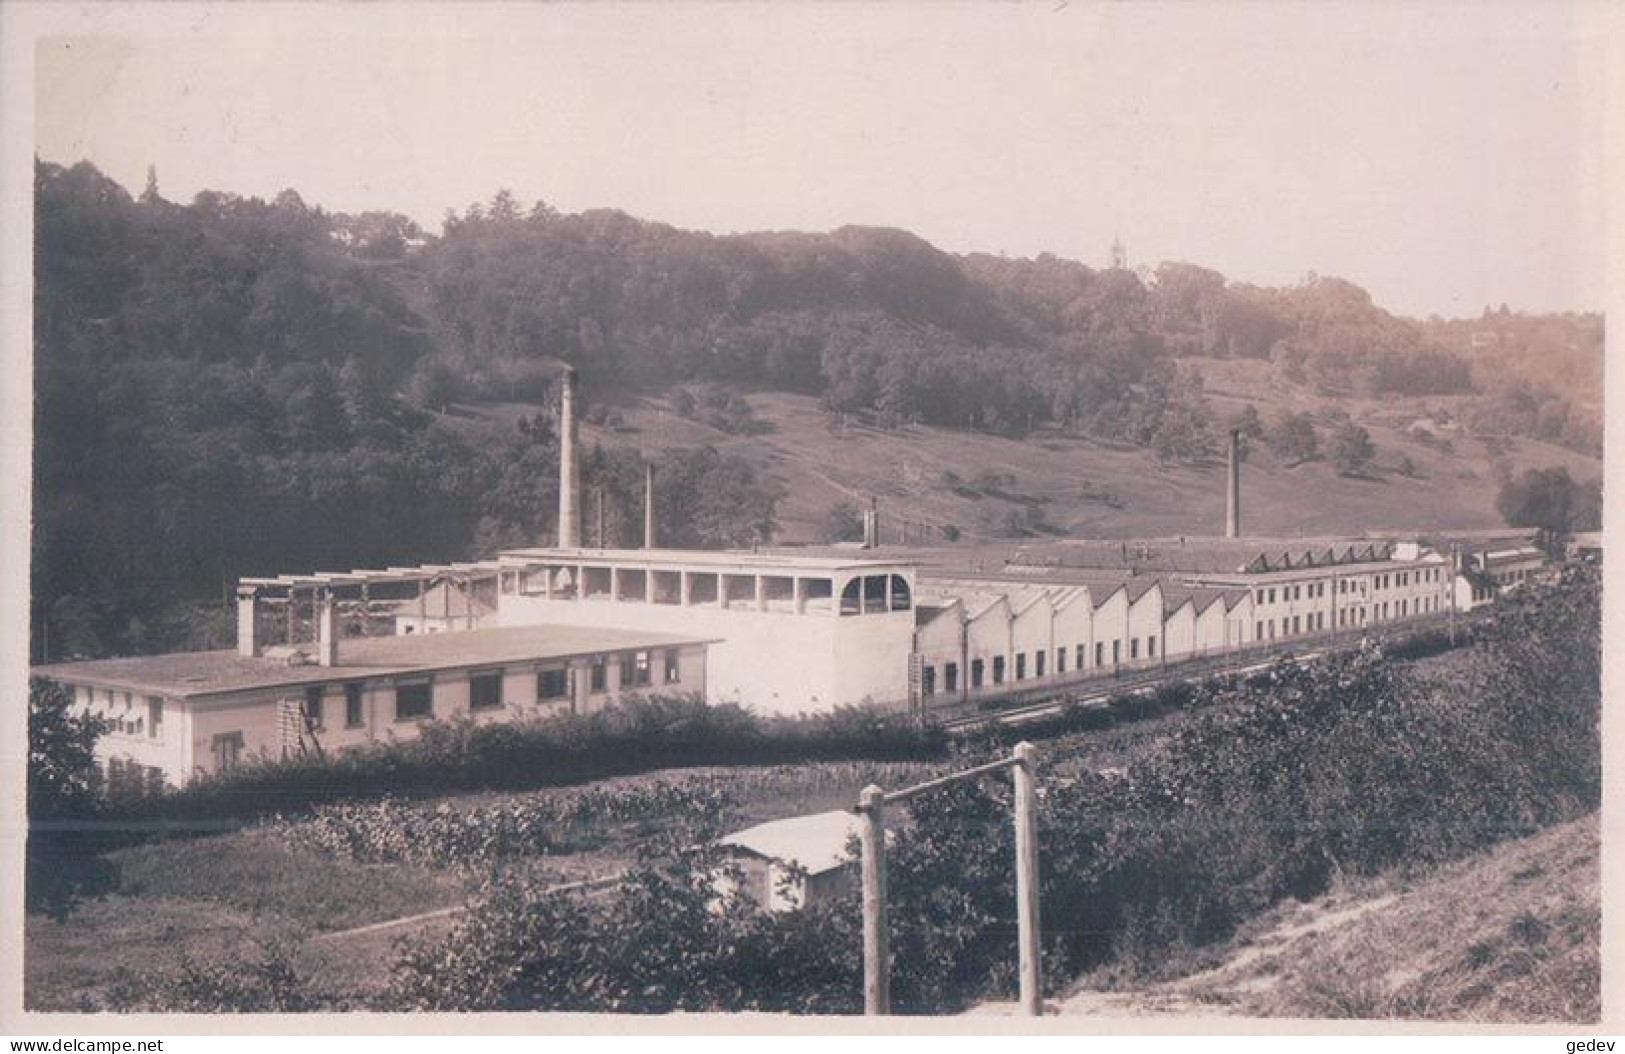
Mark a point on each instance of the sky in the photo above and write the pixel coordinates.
(1445, 158)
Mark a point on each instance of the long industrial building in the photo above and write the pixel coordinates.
(541, 631)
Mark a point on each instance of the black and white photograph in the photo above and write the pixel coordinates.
(1068, 515)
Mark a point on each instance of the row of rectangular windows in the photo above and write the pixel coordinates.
(1399, 580)
(950, 679)
(415, 699)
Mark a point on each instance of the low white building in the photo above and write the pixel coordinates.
(174, 717)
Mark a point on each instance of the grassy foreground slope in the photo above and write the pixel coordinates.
(1511, 935)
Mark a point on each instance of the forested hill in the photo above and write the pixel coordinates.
(235, 386)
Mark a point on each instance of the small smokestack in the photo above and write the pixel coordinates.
(247, 610)
(871, 525)
(1232, 511)
(569, 536)
(648, 505)
(327, 637)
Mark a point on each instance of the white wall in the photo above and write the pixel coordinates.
(774, 662)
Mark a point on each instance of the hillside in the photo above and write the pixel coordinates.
(1056, 483)
(234, 387)
(1510, 936)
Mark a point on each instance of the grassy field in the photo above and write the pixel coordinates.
(1086, 488)
(1509, 936)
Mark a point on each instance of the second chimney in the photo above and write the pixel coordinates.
(648, 505)
(569, 536)
(1232, 508)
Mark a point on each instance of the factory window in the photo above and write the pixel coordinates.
(976, 673)
(1258, 598)
(1402, 609)
(950, 677)
(1081, 657)
(702, 589)
(928, 681)
(816, 594)
(1258, 631)
(1100, 653)
(595, 581)
(779, 592)
(227, 748)
(552, 684)
(1271, 627)
(352, 706)
(874, 594)
(851, 602)
(1021, 666)
(485, 690)
(598, 674)
(739, 591)
(313, 708)
(1151, 646)
(1060, 660)
(674, 667)
(413, 700)
(631, 584)
(1117, 652)
(998, 669)
(155, 717)
(1134, 647)
(1272, 594)
(901, 598)
(635, 669)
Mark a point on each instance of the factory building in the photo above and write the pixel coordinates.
(539, 631)
(173, 717)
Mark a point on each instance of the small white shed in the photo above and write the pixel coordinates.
(769, 854)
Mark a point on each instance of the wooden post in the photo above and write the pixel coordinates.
(876, 958)
(1032, 997)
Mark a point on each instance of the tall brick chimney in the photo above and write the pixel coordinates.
(1232, 509)
(569, 536)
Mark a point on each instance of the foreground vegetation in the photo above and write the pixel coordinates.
(1512, 935)
(1162, 836)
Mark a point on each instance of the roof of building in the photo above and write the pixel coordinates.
(444, 601)
(205, 673)
(1198, 555)
(817, 841)
(721, 560)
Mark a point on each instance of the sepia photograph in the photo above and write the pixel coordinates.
(1084, 513)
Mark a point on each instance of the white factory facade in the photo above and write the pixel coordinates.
(569, 629)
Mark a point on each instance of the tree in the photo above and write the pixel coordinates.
(1549, 498)
(1294, 439)
(1352, 451)
(1248, 423)
(62, 772)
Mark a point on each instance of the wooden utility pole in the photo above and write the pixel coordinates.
(1032, 1000)
(876, 955)
(871, 808)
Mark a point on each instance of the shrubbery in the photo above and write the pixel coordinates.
(635, 736)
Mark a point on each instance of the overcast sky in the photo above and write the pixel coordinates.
(1443, 157)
